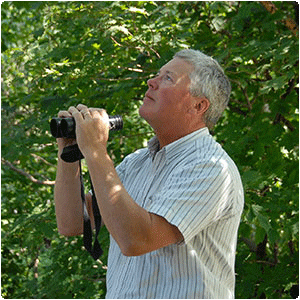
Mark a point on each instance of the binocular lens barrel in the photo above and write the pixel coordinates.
(65, 127)
(55, 127)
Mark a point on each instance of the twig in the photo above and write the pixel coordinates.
(265, 262)
(22, 172)
(41, 159)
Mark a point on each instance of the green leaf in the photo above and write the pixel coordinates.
(58, 54)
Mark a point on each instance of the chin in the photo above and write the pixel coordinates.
(145, 114)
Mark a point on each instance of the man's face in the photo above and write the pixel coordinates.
(168, 99)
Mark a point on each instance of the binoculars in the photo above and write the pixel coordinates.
(65, 127)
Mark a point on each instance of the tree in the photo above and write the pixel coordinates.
(57, 54)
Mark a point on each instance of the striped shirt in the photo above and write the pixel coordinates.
(195, 186)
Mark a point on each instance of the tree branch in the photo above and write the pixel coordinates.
(22, 172)
(280, 118)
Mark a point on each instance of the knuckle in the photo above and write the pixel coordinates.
(81, 106)
(63, 113)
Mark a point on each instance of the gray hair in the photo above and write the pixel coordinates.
(207, 80)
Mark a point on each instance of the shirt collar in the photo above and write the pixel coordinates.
(174, 148)
(153, 146)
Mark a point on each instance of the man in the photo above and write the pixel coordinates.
(172, 209)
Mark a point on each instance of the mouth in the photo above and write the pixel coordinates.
(149, 97)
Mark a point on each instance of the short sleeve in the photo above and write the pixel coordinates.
(194, 197)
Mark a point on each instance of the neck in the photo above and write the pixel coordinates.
(166, 137)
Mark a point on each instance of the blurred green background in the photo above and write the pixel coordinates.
(57, 54)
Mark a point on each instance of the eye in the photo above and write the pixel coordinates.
(168, 77)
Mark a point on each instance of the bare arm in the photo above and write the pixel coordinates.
(67, 194)
(68, 204)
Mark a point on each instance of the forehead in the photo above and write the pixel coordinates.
(178, 66)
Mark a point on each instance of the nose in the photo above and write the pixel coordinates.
(152, 83)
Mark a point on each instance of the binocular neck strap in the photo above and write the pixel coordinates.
(71, 154)
(95, 251)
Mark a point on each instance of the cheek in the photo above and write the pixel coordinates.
(168, 97)
(173, 101)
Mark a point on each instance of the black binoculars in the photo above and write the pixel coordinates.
(65, 127)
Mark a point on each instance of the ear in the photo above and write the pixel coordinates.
(201, 105)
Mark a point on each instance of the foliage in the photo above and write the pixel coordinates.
(57, 54)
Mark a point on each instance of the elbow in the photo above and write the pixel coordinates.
(69, 228)
(133, 249)
(130, 252)
(67, 232)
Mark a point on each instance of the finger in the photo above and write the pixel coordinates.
(75, 113)
(95, 113)
(86, 113)
(100, 114)
(96, 109)
(101, 111)
(80, 107)
(64, 114)
(73, 110)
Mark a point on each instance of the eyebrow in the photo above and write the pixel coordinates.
(167, 72)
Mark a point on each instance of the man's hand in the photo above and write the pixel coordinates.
(92, 128)
(64, 142)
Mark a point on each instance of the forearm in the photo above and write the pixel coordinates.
(67, 196)
(126, 221)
